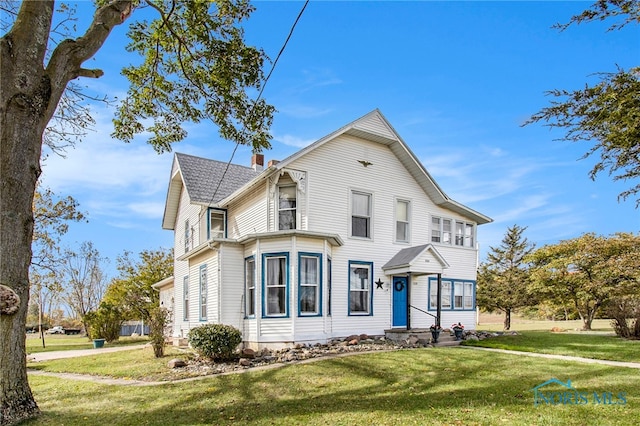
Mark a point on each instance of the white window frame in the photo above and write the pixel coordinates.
(368, 217)
(407, 222)
(204, 291)
(223, 215)
(464, 234)
(250, 286)
(187, 236)
(315, 284)
(439, 232)
(284, 283)
(185, 298)
(356, 288)
(289, 210)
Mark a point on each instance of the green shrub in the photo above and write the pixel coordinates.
(215, 341)
(159, 318)
(105, 322)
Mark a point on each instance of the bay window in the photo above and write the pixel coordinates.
(275, 267)
(309, 277)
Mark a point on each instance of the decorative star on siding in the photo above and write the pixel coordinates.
(379, 283)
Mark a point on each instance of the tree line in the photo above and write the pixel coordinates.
(589, 276)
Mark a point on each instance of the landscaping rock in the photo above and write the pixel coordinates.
(244, 362)
(248, 353)
(176, 363)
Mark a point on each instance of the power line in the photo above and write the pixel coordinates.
(275, 62)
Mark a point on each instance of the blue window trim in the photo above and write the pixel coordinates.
(224, 212)
(329, 283)
(255, 287)
(371, 280)
(266, 256)
(434, 281)
(185, 291)
(319, 301)
(200, 292)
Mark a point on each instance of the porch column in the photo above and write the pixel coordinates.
(409, 301)
(439, 300)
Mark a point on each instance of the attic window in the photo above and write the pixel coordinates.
(287, 205)
(217, 220)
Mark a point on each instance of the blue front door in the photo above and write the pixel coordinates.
(399, 301)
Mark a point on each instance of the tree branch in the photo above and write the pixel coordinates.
(69, 55)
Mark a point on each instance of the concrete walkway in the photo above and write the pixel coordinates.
(560, 357)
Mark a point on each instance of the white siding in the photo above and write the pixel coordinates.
(249, 215)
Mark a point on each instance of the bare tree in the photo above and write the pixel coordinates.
(84, 281)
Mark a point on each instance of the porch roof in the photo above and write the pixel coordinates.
(418, 260)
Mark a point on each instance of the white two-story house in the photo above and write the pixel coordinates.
(349, 235)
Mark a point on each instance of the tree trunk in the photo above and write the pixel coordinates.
(20, 144)
(507, 319)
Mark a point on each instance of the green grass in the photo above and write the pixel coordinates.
(574, 344)
(439, 386)
(138, 364)
(57, 342)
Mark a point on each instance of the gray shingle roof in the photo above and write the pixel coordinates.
(202, 176)
(404, 257)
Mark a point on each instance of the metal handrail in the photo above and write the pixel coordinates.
(425, 312)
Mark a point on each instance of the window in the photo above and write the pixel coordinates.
(187, 235)
(203, 292)
(402, 221)
(464, 234)
(275, 281)
(360, 214)
(217, 223)
(440, 230)
(463, 295)
(456, 294)
(250, 286)
(185, 298)
(286, 207)
(360, 278)
(309, 276)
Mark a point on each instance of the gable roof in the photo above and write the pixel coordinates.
(200, 177)
(375, 127)
(418, 260)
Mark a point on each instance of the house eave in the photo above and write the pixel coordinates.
(333, 239)
(166, 282)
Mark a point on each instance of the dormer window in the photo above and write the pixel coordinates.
(217, 224)
(287, 207)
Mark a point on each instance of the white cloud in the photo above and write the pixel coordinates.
(293, 141)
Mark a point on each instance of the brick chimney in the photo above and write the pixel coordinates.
(272, 163)
(257, 162)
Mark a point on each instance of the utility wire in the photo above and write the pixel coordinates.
(235, 149)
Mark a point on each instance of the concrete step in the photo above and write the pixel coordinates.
(401, 336)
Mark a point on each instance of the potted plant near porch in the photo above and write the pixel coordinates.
(435, 332)
(457, 330)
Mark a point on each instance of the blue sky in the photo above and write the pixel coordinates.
(455, 79)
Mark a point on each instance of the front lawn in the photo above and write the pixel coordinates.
(439, 386)
(580, 344)
(61, 342)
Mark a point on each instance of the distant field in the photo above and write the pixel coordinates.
(493, 322)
